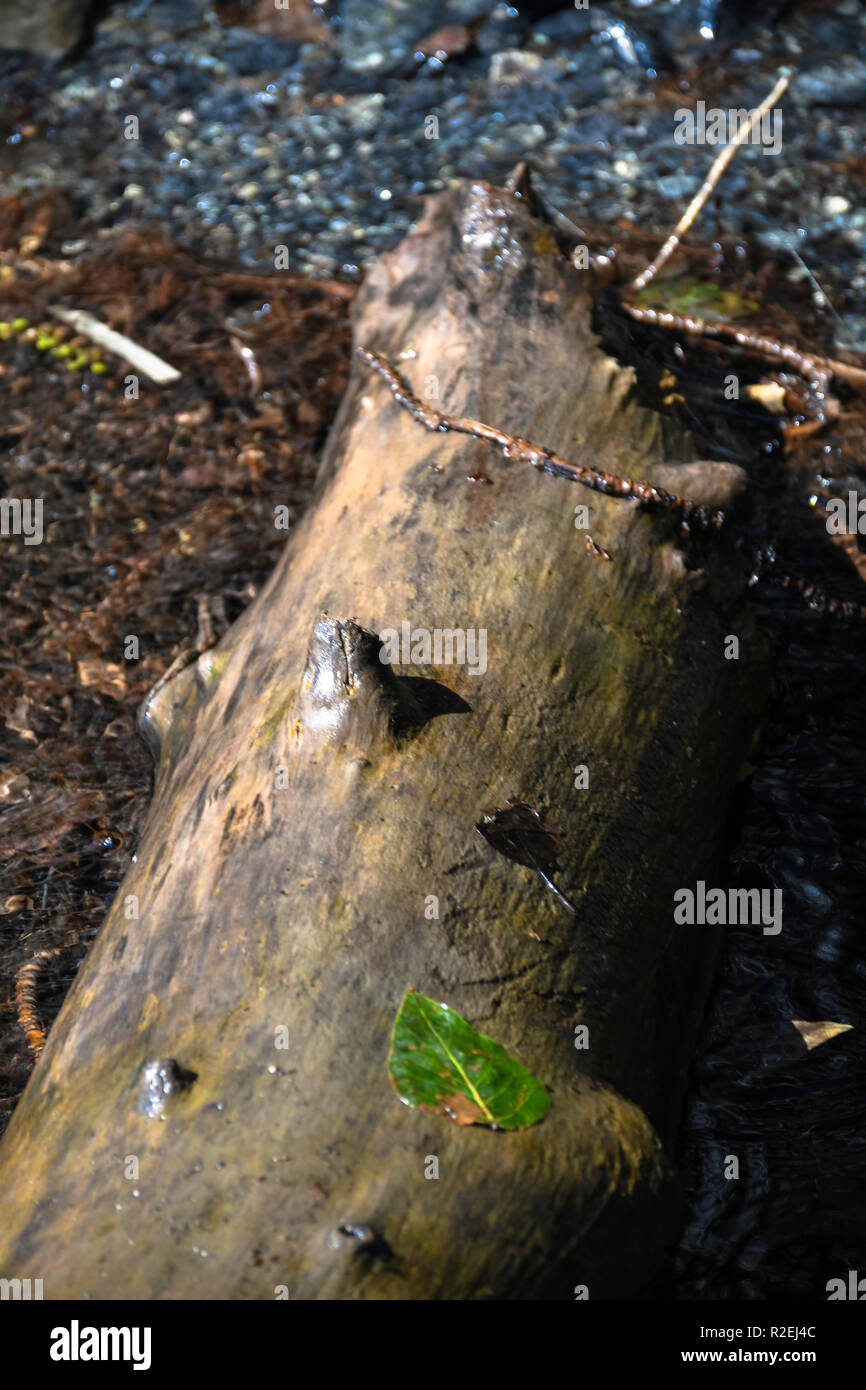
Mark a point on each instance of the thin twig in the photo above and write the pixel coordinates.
(248, 357)
(812, 367)
(816, 597)
(535, 455)
(138, 357)
(718, 167)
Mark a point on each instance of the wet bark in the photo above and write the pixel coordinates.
(306, 906)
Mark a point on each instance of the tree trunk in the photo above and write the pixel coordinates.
(310, 907)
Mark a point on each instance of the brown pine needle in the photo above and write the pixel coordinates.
(536, 455)
(25, 1000)
(718, 167)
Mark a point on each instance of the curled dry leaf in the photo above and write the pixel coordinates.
(770, 395)
(519, 832)
(814, 1034)
(108, 677)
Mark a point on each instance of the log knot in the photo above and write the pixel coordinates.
(347, 688)
(159, 1081)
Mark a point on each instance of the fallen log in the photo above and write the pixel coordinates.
(212, 1115)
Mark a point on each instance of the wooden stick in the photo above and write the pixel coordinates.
(151, 366)
(718, 167)
(812, 367)
(535, 455)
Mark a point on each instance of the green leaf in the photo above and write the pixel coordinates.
(439, 1062)
(692, 298)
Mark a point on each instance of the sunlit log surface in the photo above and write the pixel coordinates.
(307, 907)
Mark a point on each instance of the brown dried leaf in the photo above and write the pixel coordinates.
(460, 1109)
(107, 676)
(814, 1034)
(18, 903)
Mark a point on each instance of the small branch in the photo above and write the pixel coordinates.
(147, 363)
(812, 367)
(537, 456)
(248, 357)
(817, 598)
(718, 167)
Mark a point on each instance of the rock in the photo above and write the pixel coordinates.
(378, 36)
(49, 27)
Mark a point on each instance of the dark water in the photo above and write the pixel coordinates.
(796, 1216)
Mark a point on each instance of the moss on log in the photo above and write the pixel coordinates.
(311, 802)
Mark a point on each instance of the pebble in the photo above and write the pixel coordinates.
(513, 66)
(247, 142)
(678, 185)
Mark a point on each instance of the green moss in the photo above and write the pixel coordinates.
(276, 713)
(227, 783)
(705, 299)
(212, 666)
